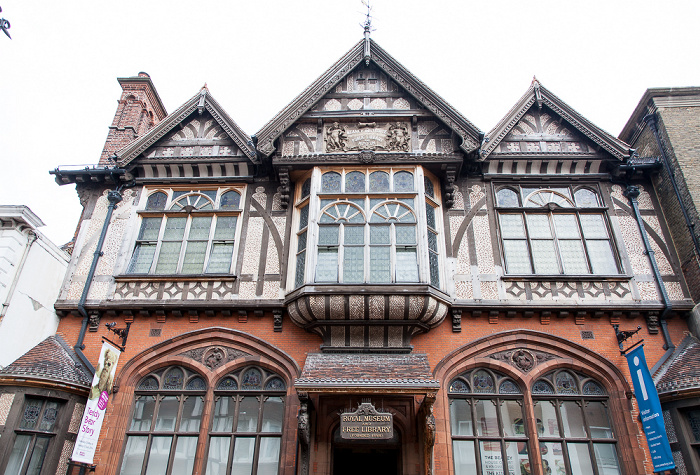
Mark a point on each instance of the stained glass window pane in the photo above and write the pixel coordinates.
(598, 420)
(328, 235)
(580, 459)
(403, 181)
(486, 417)
(379, 234)
(591, 388)
(143, 413)
(461, 417)
(227, 384)
(48, 419)
(512, 417)
(509, 387)
(301, 244)
(218, 455)
(150, 227)
(191, 414)
(546, 416)
(134, 454)
(32, 412)
(430, 215)
(174, 229)
(602, 258)
(354, 182)
(572, 419)
(517, 257)
(159, 455)
(482, 382)
(464, 457)
(566, 226)
(183, 462)
(585, 198)
(168, 258)
(507, 197)
(538, 226)
(405, 235)
(275, 384)
(406, 265)
(459, 386)
(225, 228)
(148, 384)
(268, 456)
(174, 379)
(542, 387)
(573, 257)
(248, 415)
(224, 410)
(327, 265)
(512, 226)
(251, 380)
(378, 182)
(429, 189)
(606, 459)
(434, 270)
(196, 384)
(330, 182)
(694, 423)
(544, 257)
(299, 277)
(306, 188)
(303, 217)
(220, 258)
(167, 413)
(156, 201)
(194, 257)
(230, 200)
(566, 383)
(354, 265)
(379, 266)
(273, 412)
(142, 259)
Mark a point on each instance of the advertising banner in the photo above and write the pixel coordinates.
(650, 411)
(101, 389)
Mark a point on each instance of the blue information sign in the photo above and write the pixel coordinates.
(650, 410)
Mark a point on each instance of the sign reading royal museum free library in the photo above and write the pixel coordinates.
(650, 411)
(86, 442)
(366, 423)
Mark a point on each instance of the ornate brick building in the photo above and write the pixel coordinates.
(369, 249)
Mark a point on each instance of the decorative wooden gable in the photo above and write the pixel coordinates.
(197, 141)
(373, 106)
(543, 129)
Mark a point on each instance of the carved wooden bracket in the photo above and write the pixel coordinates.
(284, 188)
(449, 185)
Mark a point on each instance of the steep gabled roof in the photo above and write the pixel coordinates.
(469, 133)
(52, 361)
(682, 370)
(540, 95)
(201, 101)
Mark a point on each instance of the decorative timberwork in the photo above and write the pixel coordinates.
(214, 356)
(541, 290)
(151, 289)
(523, 359)
(456, 320)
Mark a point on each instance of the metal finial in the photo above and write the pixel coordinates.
(368, 28)
(5, 25)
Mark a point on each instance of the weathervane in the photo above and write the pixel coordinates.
(5, 25)
(368, 28)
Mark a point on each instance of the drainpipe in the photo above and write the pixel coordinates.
(31, 238)
(113, 197)
(651, 121)
(632, 192)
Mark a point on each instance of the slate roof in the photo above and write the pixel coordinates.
(53, 360)
(682, 370)
(362, 370)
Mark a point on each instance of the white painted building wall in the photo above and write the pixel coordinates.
(32, 269)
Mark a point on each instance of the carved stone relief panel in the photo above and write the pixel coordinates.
(358, 136)
(214, 356)
(523, 359)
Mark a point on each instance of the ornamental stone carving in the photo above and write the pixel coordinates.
(335, 138)
(214, 356)
(524, 360)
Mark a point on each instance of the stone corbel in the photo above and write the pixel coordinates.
(93, 320)
(277, 318)
(653, 323)
(456, 320)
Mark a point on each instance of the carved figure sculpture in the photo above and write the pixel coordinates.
(398, 137)
(335, 138)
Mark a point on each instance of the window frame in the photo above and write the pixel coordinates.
(190, 214)
(550, 210)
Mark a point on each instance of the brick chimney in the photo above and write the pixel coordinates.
(139, 108)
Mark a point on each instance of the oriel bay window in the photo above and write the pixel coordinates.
(36, 430)
(555, 230)
(367, 226)
(187, 232)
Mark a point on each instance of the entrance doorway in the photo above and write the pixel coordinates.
(366, 461)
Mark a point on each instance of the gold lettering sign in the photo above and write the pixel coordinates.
(366, 423)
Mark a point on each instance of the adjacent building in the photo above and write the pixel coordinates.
(368, 255)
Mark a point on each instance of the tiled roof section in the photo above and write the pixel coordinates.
(366, 370)
(51, 359)
(682, 370)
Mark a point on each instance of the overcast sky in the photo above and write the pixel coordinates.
(58, 87)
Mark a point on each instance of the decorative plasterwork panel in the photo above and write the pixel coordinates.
(177, 290)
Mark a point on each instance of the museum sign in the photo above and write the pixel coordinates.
(366, 423)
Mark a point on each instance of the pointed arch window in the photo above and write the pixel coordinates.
(555, 230)
(187, 232)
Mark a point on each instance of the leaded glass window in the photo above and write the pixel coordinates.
(246, 431)
(488, 425)
(366, 228)
(187, 232)
(557, 230)
(574, 426)
(164, 430)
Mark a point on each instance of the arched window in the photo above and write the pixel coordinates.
(246, 428)
(489, 434)
(164, 430)
(573, 423)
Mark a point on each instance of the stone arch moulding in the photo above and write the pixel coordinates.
(547, 353)
(190, 350)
